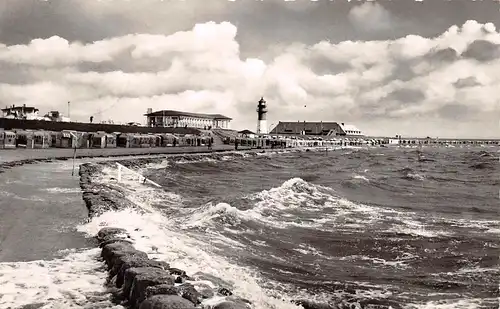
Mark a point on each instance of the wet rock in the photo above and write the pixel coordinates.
(114, 240)
(114, 236)
(215, 280)
(108, 249)
(379, 303)
(112, 252)
(144, 277)
(237, 299)
(306, 304)
(204, 290)
(231, 305)
(177, 272)
(166, 302)
(123, 263)
(128, 279)
(225, 292)
(188, 292)
(110, 231)
(162, 289)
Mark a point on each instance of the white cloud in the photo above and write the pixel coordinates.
(370, 16)
(370, 83)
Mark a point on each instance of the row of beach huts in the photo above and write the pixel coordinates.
(11, 139)
(74, 139)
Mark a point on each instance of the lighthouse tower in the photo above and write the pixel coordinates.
(261, 117)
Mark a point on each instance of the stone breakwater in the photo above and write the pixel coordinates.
(137, 281)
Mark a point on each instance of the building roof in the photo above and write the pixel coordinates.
(19, 108)
(349, 127)
(246, 131)
(186, 114)
(299, 126)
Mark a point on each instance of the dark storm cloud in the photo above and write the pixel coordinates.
(125, 63)
(406, 96)
(482, 50)
(322, 65)
(446, 55)
(15, 73)
(24, 20)
(467, 82)
(456, 112)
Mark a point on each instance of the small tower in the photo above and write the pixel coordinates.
(261, 117)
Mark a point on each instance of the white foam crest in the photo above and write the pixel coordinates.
(308, 250)
(292, 193)
(470, 303)
(415, 176)
(205, 215)
(361, 177)
(139, 193)
(398, 263)
(71, 282)
(487, 226)
(157, 166)
(204, 159)
(160, 239)
(416, 228)
(58, 190)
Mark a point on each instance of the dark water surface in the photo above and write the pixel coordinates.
(354, 228)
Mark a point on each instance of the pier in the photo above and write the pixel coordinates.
(409, 141)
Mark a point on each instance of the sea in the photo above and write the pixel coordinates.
(357, 227)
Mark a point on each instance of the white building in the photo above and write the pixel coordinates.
(351, 130)
(56, 116)
(170, 118)
(21, 112)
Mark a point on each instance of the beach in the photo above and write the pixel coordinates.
(17, 155)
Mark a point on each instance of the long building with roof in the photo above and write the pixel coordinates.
(171, 118)
(315, 128)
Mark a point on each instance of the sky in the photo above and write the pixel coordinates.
(411, 68)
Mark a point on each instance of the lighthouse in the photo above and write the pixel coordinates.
(261, 117)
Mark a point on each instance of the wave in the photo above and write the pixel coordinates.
(74, 281)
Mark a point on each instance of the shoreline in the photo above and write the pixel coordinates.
(18, 157)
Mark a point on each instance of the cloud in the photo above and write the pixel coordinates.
(385, 87)
(370, 16)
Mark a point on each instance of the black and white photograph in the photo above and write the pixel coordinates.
(249, 154)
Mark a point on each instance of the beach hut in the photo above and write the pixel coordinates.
(98, 140)
(41, 139)
(125, 140)
(167, 140)
(53, 139)
(82, 139)
(110, 140)
(148, 141)
(135, 141)
(24, 139)
(65, 139)
(7, 140)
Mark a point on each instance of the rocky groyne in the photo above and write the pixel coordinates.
(135, 280)
(143, 283)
